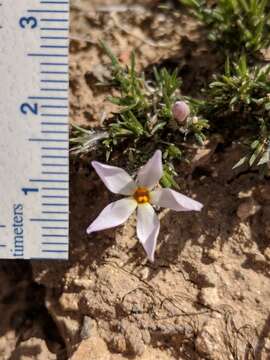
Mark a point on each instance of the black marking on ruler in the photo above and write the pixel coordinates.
(54, 165)
(54, 148)
(1, 27)
(54, 188)
(55, 251)
(48, 11)
(54, 204)
(54, 227)
(48, 140)
(48, 181)
(55, 213)
(1, 244)
(54, 235)
(49, 220)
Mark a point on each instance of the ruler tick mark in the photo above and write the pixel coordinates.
(53, 204)
(54, 227)
(55, 188)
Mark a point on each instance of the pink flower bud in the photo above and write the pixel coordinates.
(180, 111)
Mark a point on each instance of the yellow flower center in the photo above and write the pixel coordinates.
(142, 195)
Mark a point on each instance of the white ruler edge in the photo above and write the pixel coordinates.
(34, 172)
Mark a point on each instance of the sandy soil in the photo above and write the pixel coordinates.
(207, 295)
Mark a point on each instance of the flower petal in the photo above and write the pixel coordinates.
(113, 215)
(115, 179)
(147, 229)
(150, 174)
(171, 199)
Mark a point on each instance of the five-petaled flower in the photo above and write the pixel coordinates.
(141, 195)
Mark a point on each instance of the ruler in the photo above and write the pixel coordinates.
(34, 163)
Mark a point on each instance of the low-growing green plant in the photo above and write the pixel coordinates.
(234, 25)
(144, 121)
(239, 101)
(236, 104)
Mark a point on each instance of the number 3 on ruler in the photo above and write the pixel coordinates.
(26, 108)
(28, 21)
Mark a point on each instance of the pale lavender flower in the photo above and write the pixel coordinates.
(180, 111)
(141, 195)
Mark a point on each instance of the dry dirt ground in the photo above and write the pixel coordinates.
(207, 295)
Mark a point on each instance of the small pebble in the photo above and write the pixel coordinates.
(209, 296)
(69, 302)
(118, 344)
(267, 253)
(87, 327)
(265, 192)
(247, 208)
(214, 254)
(144, 273)
(83, 283)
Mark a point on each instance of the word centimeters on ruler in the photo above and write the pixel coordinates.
(34, 160)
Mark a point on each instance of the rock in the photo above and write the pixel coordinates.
(69, 302)
(93, 348)
(227, 266)
(267, 253)
(119, 344)
(214, 254)
(247, 208)
(155, 354)
(91, 304)
(68, 322)
(7, 345)
(267, 344)
(211, 278)
(201, 157)
(84, 283)
(264, 192)
(144, 273)
(245, 194)
(69, 327)
(88, 327)
(209, 341)
(133, 337)
(245, 231)
(209, 296)
(35, 349)
(146, 336)
(259, 258)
